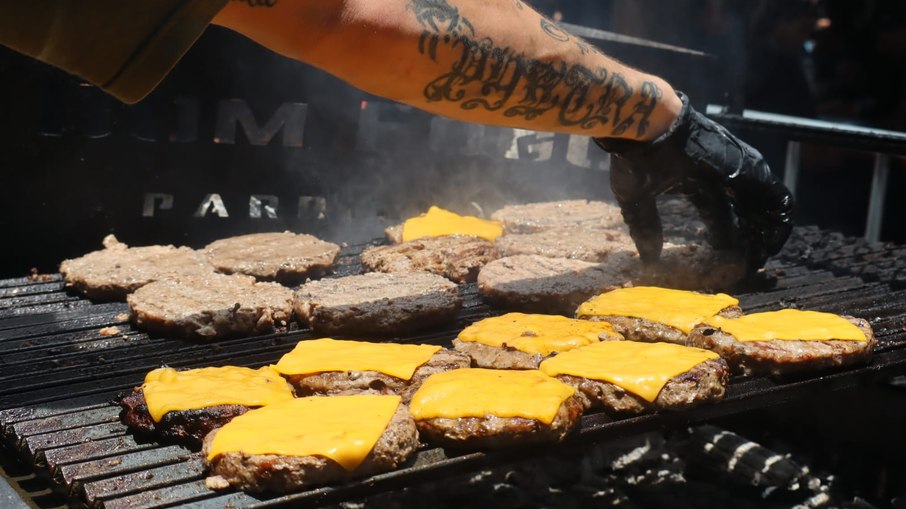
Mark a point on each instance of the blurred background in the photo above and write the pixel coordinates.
(238, 140)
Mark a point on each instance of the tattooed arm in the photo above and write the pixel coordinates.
(493, 61)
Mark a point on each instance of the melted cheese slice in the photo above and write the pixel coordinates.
(676, 308)
(438, 222)
(320, 355)
(168, 390)
(342, 428)
(641, 368)
(476, 392)
(789, 324)
(537, 334)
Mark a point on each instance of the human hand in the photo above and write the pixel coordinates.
(745, 207)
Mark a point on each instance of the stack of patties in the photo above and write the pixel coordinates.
(632, 377)
(786, 341)
(438, 241)
(310, 441)
(489, 408)
(522, 341)
(183, 406)
(652, 314)
(328, 366)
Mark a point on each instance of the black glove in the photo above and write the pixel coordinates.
(741, 202)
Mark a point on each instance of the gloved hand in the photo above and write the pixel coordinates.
(741, 202)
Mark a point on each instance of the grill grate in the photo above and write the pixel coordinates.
(63, 362)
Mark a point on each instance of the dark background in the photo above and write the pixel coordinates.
(76, 164)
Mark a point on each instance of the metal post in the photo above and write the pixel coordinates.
(791, 167)
(876, 202)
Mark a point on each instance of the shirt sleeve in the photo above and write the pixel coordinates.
(124, 47)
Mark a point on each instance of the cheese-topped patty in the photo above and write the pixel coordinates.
(677, 308)
(438, 222)
(167, 390)
(789, 324)
(342, 428)
(641, 368)
(537, 334)
(323, 355)
(475, 392)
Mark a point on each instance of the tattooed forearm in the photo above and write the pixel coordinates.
(487, 76)
(258, 3)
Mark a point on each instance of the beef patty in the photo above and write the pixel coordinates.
(330, 383)
(536, 217)
(641, 329)
(707, 381)
(285, 257)
(212, 306)
(686, 265)
(377, 303)
(575, 243)
(187, 427)
(779, 357)
(534, 283)
(118, 270)
(281, 474)
(456, 257)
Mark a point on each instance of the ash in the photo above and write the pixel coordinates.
(701, 467)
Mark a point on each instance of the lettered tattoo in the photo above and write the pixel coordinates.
(494, 78)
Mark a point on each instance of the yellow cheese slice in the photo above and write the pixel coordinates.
(321, 355)
(168, 390)
(677, 308)
(438, 222)
(474, 392)
(342, 428)
(788, 324)
(537, 334)
(641, 368)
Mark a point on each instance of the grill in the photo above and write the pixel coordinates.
(63, 360)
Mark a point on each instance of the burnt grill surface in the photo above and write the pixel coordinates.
(63, 359)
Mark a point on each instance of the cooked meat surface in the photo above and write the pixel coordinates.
(705, 382)
(491, 432)
(536, 217)
(212, 306)
(689, 265)
(374, 382)
(187, 427)
(534, 283)
(282, 474)
(591, 245)
(486, 356)
(647, 331)
(456, 257)
(394, 233)
(285, 257)
(780, 357)
(377, 303)
(118, 270)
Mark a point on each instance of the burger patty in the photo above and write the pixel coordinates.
(456, 257)
(491, 431)
(706, 381)
(575, 243)
(285, 257)
(492, 357)
(534, 283)
(647, 331)
(187, 427)
(377, 303)
(331, 383)
(694, 266)
(281, 474)
(779, 357)
(212, 306)
(536, 217)
(118, 270)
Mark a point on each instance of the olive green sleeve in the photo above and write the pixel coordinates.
(125, 47)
